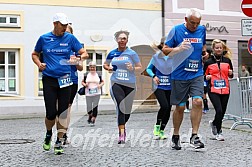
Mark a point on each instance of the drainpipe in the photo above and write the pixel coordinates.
(163, 17)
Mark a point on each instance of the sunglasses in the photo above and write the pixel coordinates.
(122, 38)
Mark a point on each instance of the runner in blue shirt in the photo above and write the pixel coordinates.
(56, 70)
(160, 68)
(187, 78)
(122, 63)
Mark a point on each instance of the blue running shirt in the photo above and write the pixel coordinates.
(56, 50)
(163, 69)
(118, 60)
(192, 66)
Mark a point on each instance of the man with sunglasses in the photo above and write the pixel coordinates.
(187, 77)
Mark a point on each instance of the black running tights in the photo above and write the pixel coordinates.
(163, 97)
(219, 102)
(123, 96)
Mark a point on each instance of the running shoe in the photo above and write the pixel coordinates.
(89, 119)
(156, 130)
(186, 110)
(175, 142)
(213, 127)
(205, 111)
(220, 137)
(196, 143)
(58, 149)
(92, 122)
(162, 136)
(47, 142)
(66, 140)
(122, 138)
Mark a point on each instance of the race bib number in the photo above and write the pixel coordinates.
(93, 91)
(219, 84)
(122, 74)
(192, 65)
(164, 80)
(65, 81)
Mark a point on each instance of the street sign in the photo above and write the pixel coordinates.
(250, 46)
(246, 27)
(246, 7)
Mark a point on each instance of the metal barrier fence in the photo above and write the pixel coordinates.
(239, 106)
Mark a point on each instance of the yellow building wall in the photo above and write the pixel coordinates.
(91, 3)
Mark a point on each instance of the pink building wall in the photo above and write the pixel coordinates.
(221, 18)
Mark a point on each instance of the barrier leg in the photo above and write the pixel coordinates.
(229, 117)
(241, 123)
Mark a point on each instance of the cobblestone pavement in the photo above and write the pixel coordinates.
(97, 146)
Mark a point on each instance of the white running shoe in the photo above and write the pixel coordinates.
(186, 110)
(220, 137)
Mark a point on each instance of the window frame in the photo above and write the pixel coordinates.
(94, 58)
(8, 23)
(6, 78)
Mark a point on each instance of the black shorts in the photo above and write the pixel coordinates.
(206, 89)
(56, 99)
(74, 89)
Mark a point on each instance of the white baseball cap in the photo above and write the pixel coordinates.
(61, 17)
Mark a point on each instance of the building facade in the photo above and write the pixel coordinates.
(222, 20)
(94, 23)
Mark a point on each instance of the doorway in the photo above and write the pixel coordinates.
(144, 93)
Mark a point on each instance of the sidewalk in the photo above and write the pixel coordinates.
(106, 106)
(36, 108)
(97, 146)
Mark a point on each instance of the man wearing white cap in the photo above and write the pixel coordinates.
(60, 22)
(56, 76)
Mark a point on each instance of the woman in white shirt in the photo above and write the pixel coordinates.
(92, 83)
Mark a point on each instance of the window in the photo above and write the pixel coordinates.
(10, 21)
(244, 57)
(8, 71)
(209, 44)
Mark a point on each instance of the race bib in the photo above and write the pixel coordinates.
(122, 74)
(192, 65)
(93, 91)
(65, 81)
(219, 84)
(164, 80)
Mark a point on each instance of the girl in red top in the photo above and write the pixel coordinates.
(217, 70)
